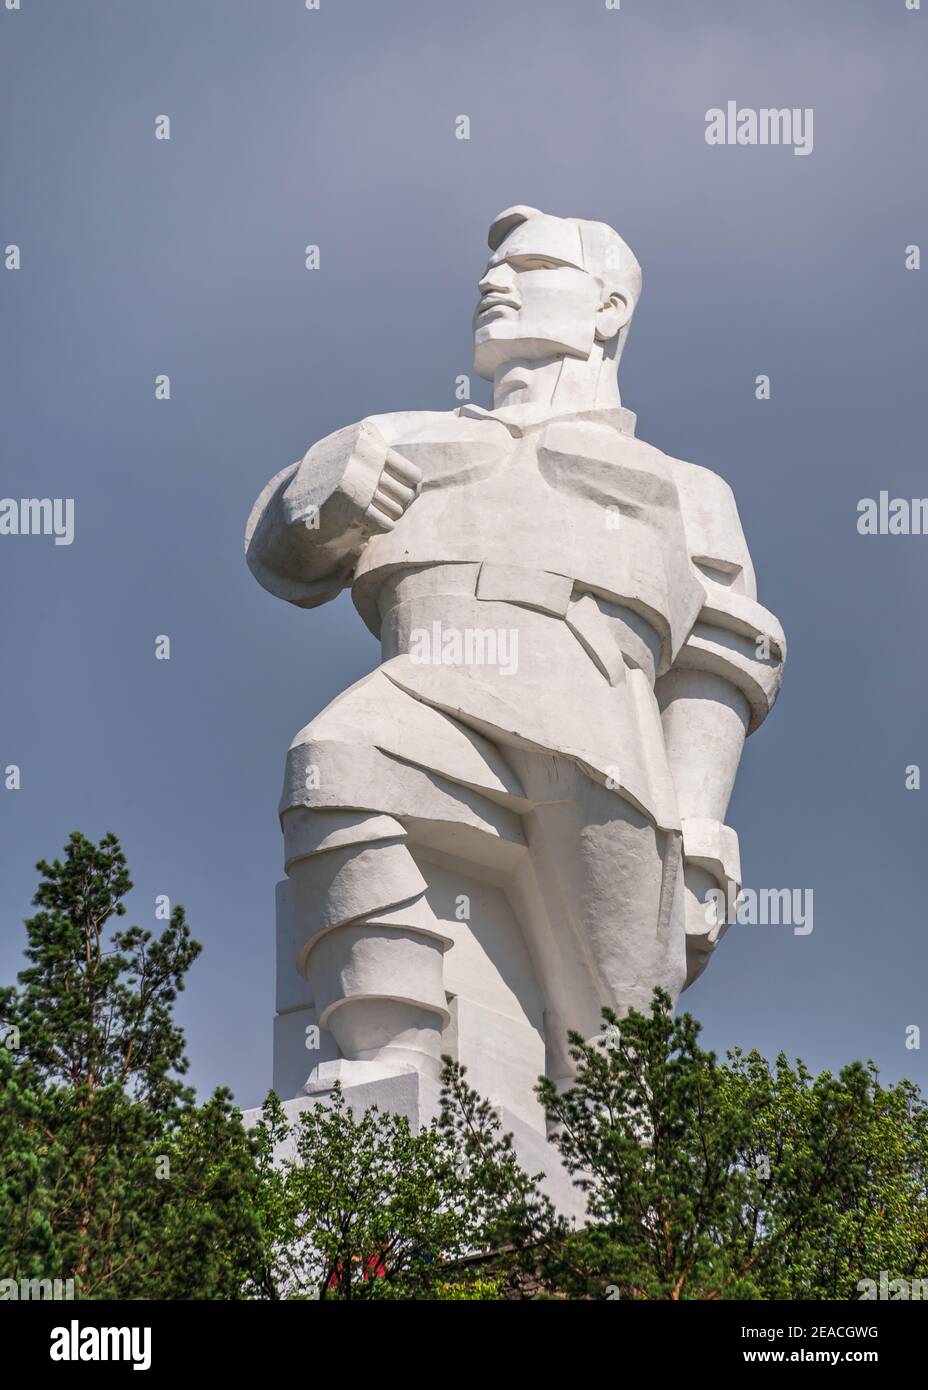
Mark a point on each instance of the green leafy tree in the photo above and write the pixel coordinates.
(842, 1164)
(646, 1134)
(112, 1176)
(362, 1208)
(704, 1180)
(512, 1220)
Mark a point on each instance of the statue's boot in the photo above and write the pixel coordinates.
(372, 948)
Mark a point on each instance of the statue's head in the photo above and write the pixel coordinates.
(553, 287)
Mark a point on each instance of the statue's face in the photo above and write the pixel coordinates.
(536, 301)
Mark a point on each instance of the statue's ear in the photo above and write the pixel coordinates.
(613, 315)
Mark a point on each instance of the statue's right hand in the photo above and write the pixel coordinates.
(363, 485)
(313, 520)
(396, 489)
(341, 470)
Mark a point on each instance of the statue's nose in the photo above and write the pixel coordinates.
(496, 277)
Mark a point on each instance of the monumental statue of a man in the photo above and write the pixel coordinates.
(518, 817)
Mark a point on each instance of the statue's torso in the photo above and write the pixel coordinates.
(560, 554)
(576, 498)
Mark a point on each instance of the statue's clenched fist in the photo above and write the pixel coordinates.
(396, 488)
(312, 521)
(363, 484)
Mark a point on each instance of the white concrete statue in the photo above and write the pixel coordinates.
(516, 819)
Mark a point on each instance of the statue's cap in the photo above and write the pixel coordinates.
(505, 221)
(591, 246)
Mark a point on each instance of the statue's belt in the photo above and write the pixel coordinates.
(607, 630)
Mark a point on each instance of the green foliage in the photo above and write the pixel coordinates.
(509, 1212)
(473, 1291)
(111, 1176)
(364, 1208)
(703, 1179)
(847, 1195)
(708, 1180)
(95, 1005)
(647, 1135)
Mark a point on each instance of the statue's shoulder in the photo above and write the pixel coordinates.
(448, 447)
(419, 427)
(710, 515)
(701, 487)
(606, 436)
(693, 481)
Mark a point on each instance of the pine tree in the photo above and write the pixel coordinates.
(112, 1176)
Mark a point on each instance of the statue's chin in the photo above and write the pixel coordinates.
(493, 348)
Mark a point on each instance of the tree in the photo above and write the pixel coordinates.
(514, 1223)
(646, 1135)
(112, 1176)
(705, 1180)
(362, 1208)
(843, 1169)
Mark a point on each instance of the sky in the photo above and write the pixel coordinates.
(184, 257)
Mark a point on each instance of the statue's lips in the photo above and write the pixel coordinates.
(493, 302)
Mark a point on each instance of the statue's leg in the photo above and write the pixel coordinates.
(372, 949)
(359, 919)
(614, 881)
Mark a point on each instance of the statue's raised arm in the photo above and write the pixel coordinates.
(311, 523)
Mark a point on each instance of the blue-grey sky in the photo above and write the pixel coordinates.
(337, 127)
